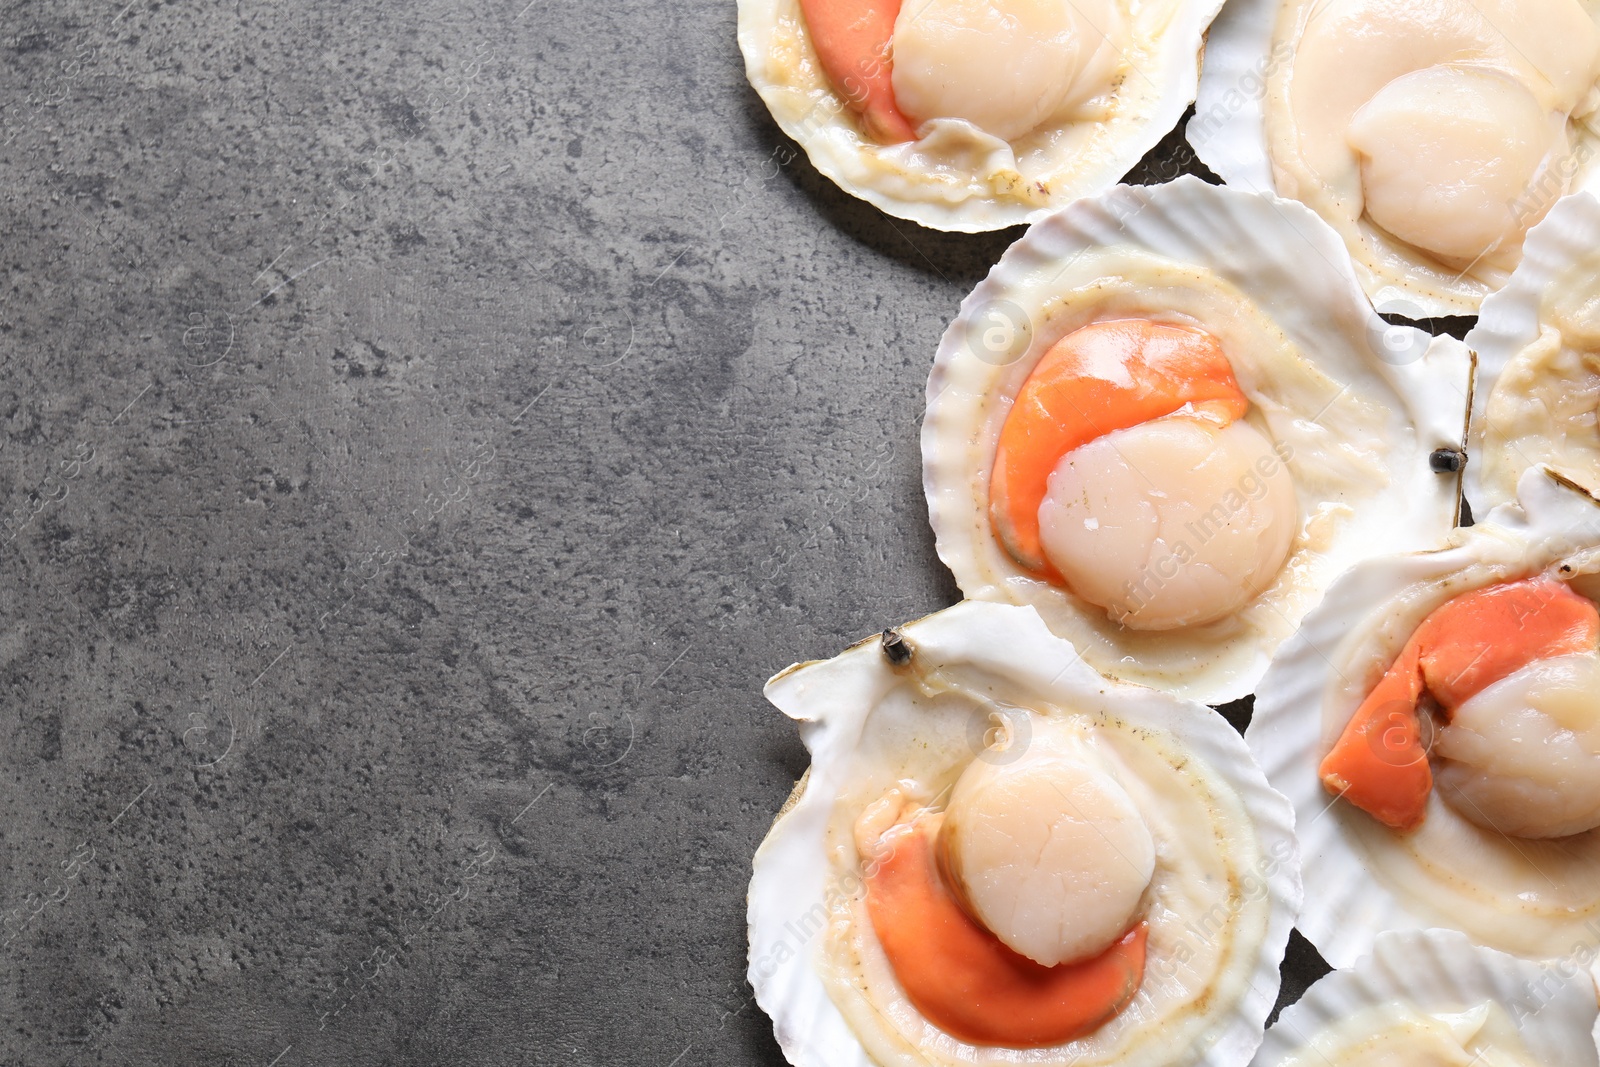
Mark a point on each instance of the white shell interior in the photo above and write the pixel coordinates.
(1347, 906)
(833, 700)
(1290, 267)
(959, 178)
(1442, 971)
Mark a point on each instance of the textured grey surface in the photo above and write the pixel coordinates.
(422, 430)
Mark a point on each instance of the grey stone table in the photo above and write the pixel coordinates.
(422, 430)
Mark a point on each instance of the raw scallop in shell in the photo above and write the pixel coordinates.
(1435, 998)
(1436, 723)
(1168, 418)
(974, 114)
(1537, 400)
(999, 856)
(1431, 134)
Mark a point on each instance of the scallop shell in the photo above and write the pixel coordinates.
(1514, 317)
(833, 700)
(1347, 904)
(1290, 267)
(1228, 133)
(948, 179)
(1553, 1008)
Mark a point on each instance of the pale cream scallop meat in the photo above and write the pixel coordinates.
(1006, 66)
(1522, 757)
(1173, 522)
(1445, 151)
(1047, 849)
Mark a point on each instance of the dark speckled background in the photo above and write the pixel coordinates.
(422, 430)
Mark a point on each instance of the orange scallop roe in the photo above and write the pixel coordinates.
(1104, 377)
(1379, 763)
(969, 984)
(852, 42)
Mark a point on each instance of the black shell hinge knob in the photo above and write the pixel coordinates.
(896, 649)
(1447, 460)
